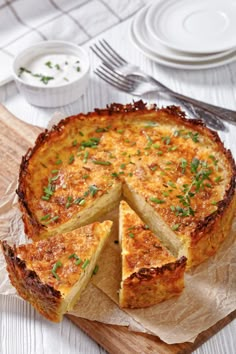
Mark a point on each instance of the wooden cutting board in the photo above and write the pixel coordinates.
(15, 138)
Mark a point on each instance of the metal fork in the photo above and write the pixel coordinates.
(127, 77)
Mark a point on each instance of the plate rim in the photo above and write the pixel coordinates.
(181, 66)
(142, 13)
(152, 11)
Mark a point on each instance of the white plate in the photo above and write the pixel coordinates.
(208, 64)
(150, 44)
(196, 26)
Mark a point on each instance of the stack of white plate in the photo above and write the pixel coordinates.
(187, 34)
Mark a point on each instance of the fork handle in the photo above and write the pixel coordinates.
(221, 112)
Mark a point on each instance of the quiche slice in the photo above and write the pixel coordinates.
(52, 273)
(150, 274)
(174, 171)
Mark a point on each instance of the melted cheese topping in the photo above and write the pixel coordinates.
(179, 169)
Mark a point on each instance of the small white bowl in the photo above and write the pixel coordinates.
(52, 96)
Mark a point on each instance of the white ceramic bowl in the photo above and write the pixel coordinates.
(52, 96)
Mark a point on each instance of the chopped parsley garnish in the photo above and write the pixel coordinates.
(48, 191)
(173, 148)
(91, 142)
(183, 165)
(86, 154)
(166, 194)
(95, 269)
(58, 162)
(73, 255)
(179, 211)
(56, 217)
(102, 130)
(86, 262)
(131, 235)
(46, 79)
(77, 259)
(156, 200)
(218, 179)
(212, 157)
(175, 227)
(151, 124)
(171, 184)
(71, 159)
(23, 70)
(194, 165)
(166, 140)
(187, 135)
(79, 201)
(105, 163)
(69, 201)
(54, 178)
(49, 64)
(57, 265)
(194, 137)
(45, 197)
(93, 190)
(114, 174)
(45, 217)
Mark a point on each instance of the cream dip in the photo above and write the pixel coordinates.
(51, 69)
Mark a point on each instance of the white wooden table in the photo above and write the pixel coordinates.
(22, 330)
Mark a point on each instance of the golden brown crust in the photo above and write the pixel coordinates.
(150, 175)
(43, 297)
(151, 286)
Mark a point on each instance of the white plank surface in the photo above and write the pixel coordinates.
(22, 330)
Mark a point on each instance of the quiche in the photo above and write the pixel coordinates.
(150, 274)
(52, 273)
(174, 172)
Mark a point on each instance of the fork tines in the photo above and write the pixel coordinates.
(107, 54)
(114, 79)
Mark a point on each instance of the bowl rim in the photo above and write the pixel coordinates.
(66, 46)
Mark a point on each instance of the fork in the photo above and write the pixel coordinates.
(127, 77)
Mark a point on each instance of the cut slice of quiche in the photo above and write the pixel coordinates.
(150, 274)
(52, 273)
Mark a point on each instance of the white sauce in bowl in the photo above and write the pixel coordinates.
(51, 70)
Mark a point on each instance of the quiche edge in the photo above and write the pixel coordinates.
(172, 284)
(30, 287)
